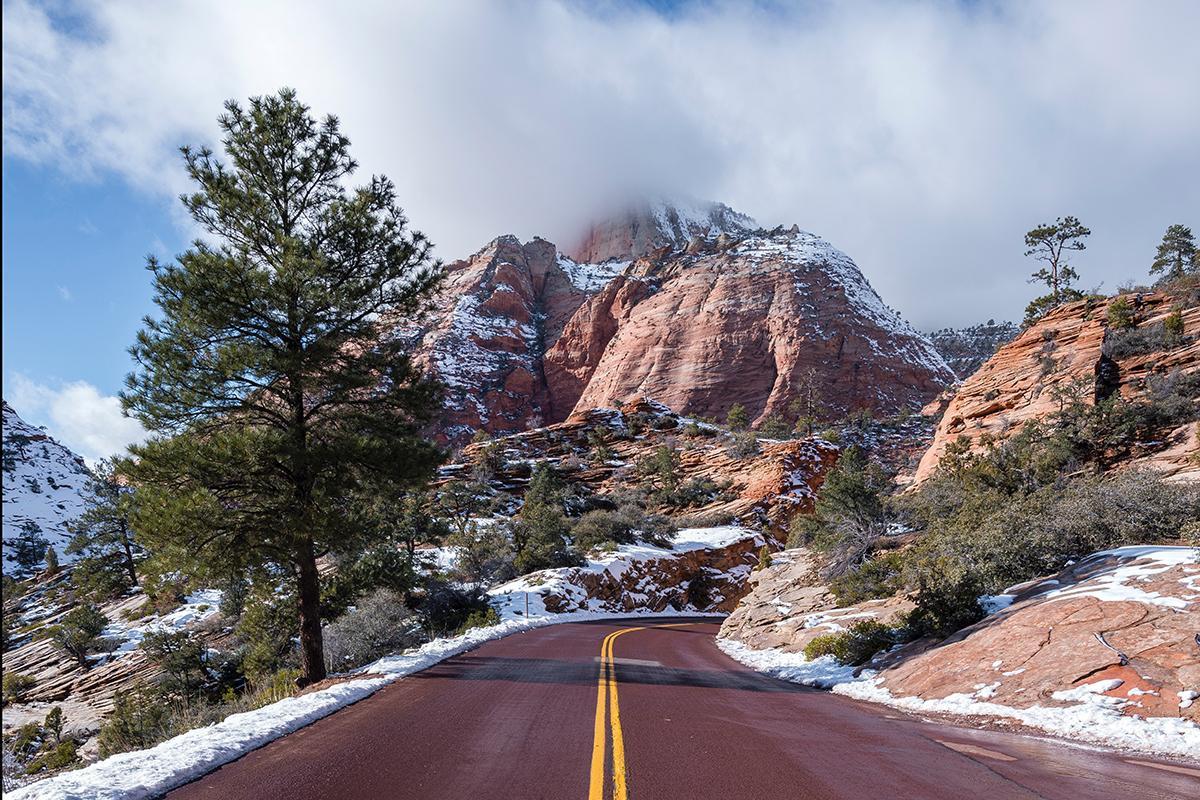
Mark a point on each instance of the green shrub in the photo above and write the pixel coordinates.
(181, 656)
(764, 558)
(479, 619)
(774, 427)
(854, 646)
(61, 756)
(737, 418)
(78, 633)
(1173, 324)
(139, 720)
(603, 529)
(16, 684)
(877, 578)
(1120, 314)
(265, 629)
(447, 608)
(540, 539)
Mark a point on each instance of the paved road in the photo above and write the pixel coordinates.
(538, 715)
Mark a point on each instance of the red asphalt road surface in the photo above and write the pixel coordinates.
(517, 718)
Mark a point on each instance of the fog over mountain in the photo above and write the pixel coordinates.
(923, 138)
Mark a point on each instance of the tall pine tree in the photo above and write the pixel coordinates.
(1052, 244)
(278, 394)
(102, 535)
(1176, 255)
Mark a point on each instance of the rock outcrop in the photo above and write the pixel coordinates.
(1121, 622)
(703, 569)
(754, 320)
(501, 309)
(1066, 351)
(786, 606)
(698, 308)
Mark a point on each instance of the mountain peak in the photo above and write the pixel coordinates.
(643, 227)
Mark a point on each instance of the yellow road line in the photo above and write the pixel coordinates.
(620, 791)
(599, 738)
(607, 688)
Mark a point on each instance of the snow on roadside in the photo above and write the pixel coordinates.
(152, 772)
(1094, 718)
(824, 672)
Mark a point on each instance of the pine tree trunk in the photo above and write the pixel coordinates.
(129, 564)
(311, 645)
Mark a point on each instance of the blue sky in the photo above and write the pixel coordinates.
(75, 284)
(922, 138)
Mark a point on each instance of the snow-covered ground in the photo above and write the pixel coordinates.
(196, 607)
(149, 773)
(43, 485)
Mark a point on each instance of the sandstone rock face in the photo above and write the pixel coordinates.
(498, 312)
(1128, 617)
(1066, 347)
(695, 307)
(743, 321)
(787, 607)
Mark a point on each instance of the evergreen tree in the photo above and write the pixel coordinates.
(52, 565)
(737, 418)
(28, 548)
(102, 536)
(1052, 244)
(280, 399)
(79, 631)
(1176, 254)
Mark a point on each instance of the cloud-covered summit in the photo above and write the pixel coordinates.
(922, 138)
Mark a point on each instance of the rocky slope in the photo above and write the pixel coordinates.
(86, 695)
(1122, 622)
(527, 334)
(42, 484)
(1066, 351)
(966, 349)
(761, 488)
(1103, 651)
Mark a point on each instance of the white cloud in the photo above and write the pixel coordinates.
(922, 138)
(65, 294)
(76, 414)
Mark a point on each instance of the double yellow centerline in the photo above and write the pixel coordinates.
(607, 701)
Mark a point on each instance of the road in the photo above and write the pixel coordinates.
(654, 710)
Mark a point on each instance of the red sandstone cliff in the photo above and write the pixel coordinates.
(1067, 347)
(695, 307)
